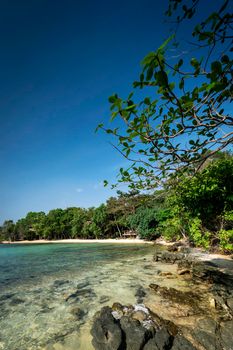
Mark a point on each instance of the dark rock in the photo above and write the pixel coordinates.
(162, 340)
(83, 285)
(184, 250)
(6, 296)
(140, 294)
(59, 283)
(226, 334)
(209, 272)
(173, 247)
(205, 334)
(106, 331)
(104, 299)
(16, 301)
(181, 343)
(207, 340)
(168, 257)
(80, 293)
(77, 312)
(154, 286)
(229, 302)
(177, 296)
(135, 334)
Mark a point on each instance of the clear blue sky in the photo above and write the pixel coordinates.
(60, 60)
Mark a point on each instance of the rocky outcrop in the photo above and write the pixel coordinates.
(117, 329)
(215, 328)
(106, 331)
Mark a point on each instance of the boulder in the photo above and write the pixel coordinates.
(226, 338)
(162, 340)
(181, 343)
(140, 294)
(205, 333)
(106, 331)
(135, 335)
(169, 257)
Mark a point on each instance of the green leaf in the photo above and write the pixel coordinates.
(162, 78)
(216, 67)
(194, 62)
(181, 84)
(141, 77)
(225, 59)
(147, 101)
(112, 99)
(149, 73)
(99, 127)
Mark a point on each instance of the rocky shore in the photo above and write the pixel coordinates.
(172, 318)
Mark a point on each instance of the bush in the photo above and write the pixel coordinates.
(199, 236)
(225, 235)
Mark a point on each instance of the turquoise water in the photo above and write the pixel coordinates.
(50, 292)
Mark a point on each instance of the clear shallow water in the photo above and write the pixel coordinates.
(50, 292)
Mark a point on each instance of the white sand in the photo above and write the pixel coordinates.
(110, 240)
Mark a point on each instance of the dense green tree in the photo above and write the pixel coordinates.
(209, 193)
(80, 216)
(54, 225)
(145, 222)
(8, 231)
(200, 207)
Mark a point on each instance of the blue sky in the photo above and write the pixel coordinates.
(60, 60)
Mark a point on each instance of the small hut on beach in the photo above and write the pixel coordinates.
(129, 234)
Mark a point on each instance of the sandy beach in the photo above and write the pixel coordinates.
(76, 240)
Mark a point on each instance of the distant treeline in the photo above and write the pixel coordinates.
(197, 207)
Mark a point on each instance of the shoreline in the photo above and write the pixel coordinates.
(78, 240)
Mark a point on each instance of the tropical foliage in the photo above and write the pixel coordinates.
(177, 115)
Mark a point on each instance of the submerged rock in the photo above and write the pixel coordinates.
(140, 294)
(87, 293)
(16, 301)
(77, 312)
(82, 285)
(7, 296)
(59, 283)
(104, 299)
